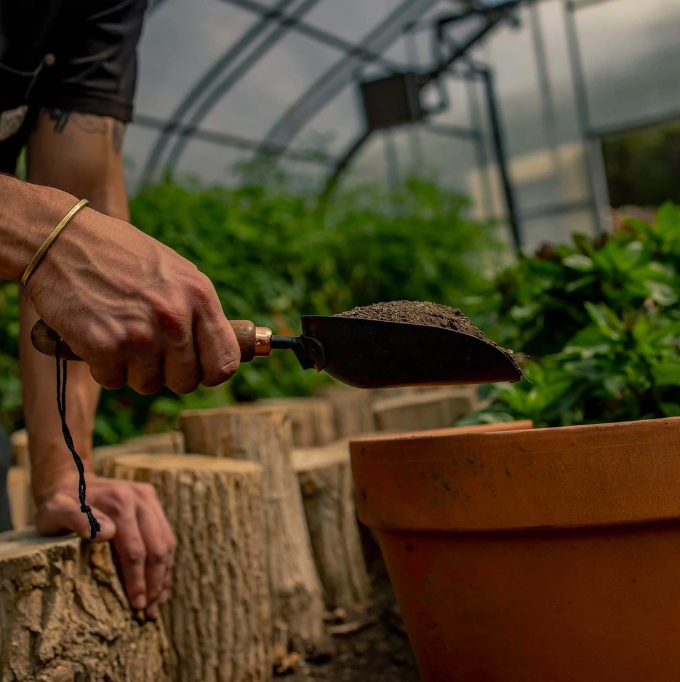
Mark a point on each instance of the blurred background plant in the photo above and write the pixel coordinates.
(272, 258)
(600, 322)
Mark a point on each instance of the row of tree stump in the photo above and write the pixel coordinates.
(268, 542)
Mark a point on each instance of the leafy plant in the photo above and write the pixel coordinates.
(601, 319)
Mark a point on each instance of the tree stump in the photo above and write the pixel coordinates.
(19, 441)
(153, 443)
(22, 509)
(262, 434)
(65, 616)
(218, 616)
(19, 493)
(312, 420)
(424, 410)
(352, 409)
(325, 477)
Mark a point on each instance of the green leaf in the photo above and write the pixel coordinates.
(579, 262)
(670, 409)
(661, 293)
(667, 374)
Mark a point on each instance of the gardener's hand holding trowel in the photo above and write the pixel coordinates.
(134, 310)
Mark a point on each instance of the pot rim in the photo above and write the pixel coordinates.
(491, 480)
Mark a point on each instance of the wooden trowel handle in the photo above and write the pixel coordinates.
(253, 341)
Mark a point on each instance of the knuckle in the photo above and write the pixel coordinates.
(120, 498)
(224, 371)
(203, 290)
(139, 335)
(134, 553)
(174, 319)
(185, 386)
(156, 555)
(147, 386)
(146, 491)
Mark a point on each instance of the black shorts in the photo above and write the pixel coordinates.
(76, 55)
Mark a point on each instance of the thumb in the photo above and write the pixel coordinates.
(62, 513)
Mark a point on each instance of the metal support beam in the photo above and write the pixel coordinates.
(233, 77)
(229, 140)
(501, 159)
(341, 74)
(315, 33)
(195, 93)
(592, 148)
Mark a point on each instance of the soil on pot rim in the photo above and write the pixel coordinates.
(419, 312)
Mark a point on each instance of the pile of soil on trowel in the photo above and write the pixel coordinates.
(419, 312)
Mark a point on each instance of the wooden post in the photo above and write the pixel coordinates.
(325, 477)
(218, 616)
(312, 420)
(19, 493)
(19, 442)
(262, 434)
(65, 615)
(352, 409)
(168, 443)
(433, 409)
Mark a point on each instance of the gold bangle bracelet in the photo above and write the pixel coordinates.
(35, 261)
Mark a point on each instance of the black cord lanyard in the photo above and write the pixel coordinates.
(61, 407)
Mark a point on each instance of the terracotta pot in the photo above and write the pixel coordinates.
(534, 555)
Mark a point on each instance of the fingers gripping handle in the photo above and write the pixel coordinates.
(253, 341)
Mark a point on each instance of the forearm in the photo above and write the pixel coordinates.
(28, 213)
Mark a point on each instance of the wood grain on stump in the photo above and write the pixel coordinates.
(325, 477)
(433, 409)
(312, 420)
(65, 616)
(262, 434)
(352, 409)
(218, 617)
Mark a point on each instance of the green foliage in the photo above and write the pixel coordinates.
(272, 258)
(601, 320)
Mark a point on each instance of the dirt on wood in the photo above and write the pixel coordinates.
(420, 312)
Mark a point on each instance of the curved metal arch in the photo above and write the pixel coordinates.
(231, 79)
(197, 90)
(331, 83)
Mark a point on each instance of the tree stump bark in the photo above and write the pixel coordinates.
(312, 420)
(424, 410)
(352, 410)
(325, 477)
(262, 434)
(218, 616)
(65, 616)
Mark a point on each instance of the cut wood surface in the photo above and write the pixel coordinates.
(312, 420)
(326, 483)
(432, 409)
(218, 616)
(262, 434)
(352, 409)
(171, 442)
(65, 616)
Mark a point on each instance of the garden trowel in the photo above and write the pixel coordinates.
(363, 353)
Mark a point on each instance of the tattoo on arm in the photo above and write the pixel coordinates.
(118, 136)
(88, 123)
